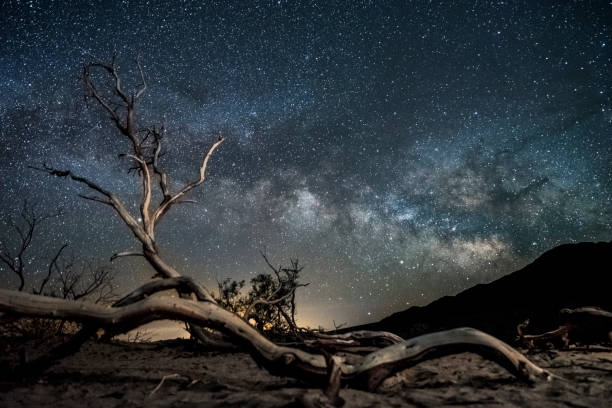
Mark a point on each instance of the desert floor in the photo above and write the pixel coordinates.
(125, 375)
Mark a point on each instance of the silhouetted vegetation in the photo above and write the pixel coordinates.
(269, 303)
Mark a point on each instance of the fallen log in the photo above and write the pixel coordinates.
(185, 286)
(585, 325)
(366, 373)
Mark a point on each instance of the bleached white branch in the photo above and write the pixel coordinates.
(366, 373)
(165, 206)
(124, 254)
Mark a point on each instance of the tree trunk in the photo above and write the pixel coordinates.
(366, 373)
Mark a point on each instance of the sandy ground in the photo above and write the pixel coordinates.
(125, 374)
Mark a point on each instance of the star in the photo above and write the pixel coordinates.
(355, 139)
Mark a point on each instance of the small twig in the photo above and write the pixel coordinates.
(164, 378)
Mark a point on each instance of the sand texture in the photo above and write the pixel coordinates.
(125, 374)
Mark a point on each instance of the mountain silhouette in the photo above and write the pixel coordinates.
(567, 276)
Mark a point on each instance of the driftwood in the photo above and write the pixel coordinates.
(365, 373)
(586, 325)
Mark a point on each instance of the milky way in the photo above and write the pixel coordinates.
(401, 150)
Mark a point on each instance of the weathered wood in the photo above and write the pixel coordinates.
(366, 373)
(581, 313)
(145, 146)
(180, 283)
(584, 324)
(334, 374)
(536, 341)
(358, 338)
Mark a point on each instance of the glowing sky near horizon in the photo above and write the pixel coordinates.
(401, 150)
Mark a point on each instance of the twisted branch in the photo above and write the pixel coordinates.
(367, 373)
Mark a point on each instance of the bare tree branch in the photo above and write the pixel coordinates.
(145, 150)
(147, 192)
(124, 254)
(181, 284)
(165, 206)
(104, 102)
(163, 177)
(85, 280)
(52, 267)
(29, 221)
(96, 199)
(100, 282)
(143, 86)
(113, 201)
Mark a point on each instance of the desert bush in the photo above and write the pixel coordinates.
(269, 303)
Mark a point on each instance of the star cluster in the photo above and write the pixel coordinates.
(402, 150)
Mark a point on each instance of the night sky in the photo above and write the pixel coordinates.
(401, 150)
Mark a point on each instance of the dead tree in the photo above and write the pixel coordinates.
(91, 281)
(367, 372)
(25, 229)
(64, 278)
(144, 148)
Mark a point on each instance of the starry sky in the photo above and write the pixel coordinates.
(402, 150)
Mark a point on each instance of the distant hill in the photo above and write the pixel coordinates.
(569, 275)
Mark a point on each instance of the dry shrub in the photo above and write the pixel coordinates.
(34, 328)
